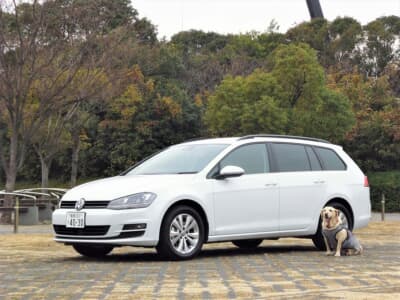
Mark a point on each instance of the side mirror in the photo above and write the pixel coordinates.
(230, 171)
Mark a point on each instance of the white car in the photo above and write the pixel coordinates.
(242, 190)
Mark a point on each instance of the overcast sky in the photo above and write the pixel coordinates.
(240, 16)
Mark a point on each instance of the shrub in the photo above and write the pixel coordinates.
(387, 183)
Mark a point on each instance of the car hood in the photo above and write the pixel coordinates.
(120, 186)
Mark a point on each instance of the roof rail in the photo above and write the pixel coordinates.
(283, 137)
(196, 139)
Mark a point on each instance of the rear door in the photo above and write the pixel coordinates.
(302, 186)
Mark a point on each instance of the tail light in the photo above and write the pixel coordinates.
(366, 183)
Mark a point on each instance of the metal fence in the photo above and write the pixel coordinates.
(30, 206)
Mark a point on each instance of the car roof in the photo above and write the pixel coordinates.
(260, 137)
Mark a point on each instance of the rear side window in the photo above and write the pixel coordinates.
(251, 158)
(290, 157)
(330, 160)
(315, 165)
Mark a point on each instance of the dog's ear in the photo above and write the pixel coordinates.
(337, 212)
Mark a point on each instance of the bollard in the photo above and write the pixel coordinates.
(16, 218)
(383, 208)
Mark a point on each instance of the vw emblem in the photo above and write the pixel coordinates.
(80, 204)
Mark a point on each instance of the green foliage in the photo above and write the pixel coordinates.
(299, 74)
(387, 183)
(196, 41)
(244, 105)
(291, 99)
(381, 48)
(332, 119)
(314, 33)
(374, 140)
(335, 80)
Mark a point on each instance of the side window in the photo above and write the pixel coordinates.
(290, 157)
(315, 164)
(330, 159)
(252, 158)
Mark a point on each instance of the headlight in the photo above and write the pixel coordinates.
(139, 200)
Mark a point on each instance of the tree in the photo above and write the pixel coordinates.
(291, 99)
(314, 33)
(52, 135)
(392, 71)
(49, 139)
(244, 105)
(374, 139)
(40, 55)
(380, 44)
(345, 40)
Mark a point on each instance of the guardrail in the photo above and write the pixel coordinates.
(29, 201)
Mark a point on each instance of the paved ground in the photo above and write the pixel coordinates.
(32, 266)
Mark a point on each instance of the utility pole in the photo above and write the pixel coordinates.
(314, 7)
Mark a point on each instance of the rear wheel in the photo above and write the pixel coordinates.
(181, 234)
(247, 244)
(344, 215)
(93, 250)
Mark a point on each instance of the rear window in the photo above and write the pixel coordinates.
(290, 157)
(330, 160)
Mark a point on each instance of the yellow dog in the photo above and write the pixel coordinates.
(339, 240)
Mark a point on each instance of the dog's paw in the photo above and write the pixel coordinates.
(337, 254)
(329, 253)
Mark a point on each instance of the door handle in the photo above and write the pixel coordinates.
(270, 184)
(319, 181)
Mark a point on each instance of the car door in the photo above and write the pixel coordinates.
(249, 203)
(302, 186)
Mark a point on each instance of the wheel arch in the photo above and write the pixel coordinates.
(195, 205)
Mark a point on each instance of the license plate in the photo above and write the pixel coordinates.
(75, 220)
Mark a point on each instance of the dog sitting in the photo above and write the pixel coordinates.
(339, 240)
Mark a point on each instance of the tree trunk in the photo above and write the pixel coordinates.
(75, 158)
(45, 165)
(11, 176)
(5, 216)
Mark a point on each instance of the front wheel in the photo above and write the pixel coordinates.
(96, 251)
(247, 244)
(181, 234)
(344, 215)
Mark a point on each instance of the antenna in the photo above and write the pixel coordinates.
(314, 7)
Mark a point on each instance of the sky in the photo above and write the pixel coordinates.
(241, 16)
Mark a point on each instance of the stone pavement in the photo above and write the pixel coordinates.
(32, 266)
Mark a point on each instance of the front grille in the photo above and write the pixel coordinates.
(88, 230)
(88, 204)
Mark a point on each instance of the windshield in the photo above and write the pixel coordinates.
(180, 159)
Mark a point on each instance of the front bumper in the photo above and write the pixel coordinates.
(106, 226)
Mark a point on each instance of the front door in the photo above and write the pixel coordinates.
(249, 203)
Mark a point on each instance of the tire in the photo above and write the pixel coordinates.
(182, 234)
(247, 244)
(96, 251)
(345, 214)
